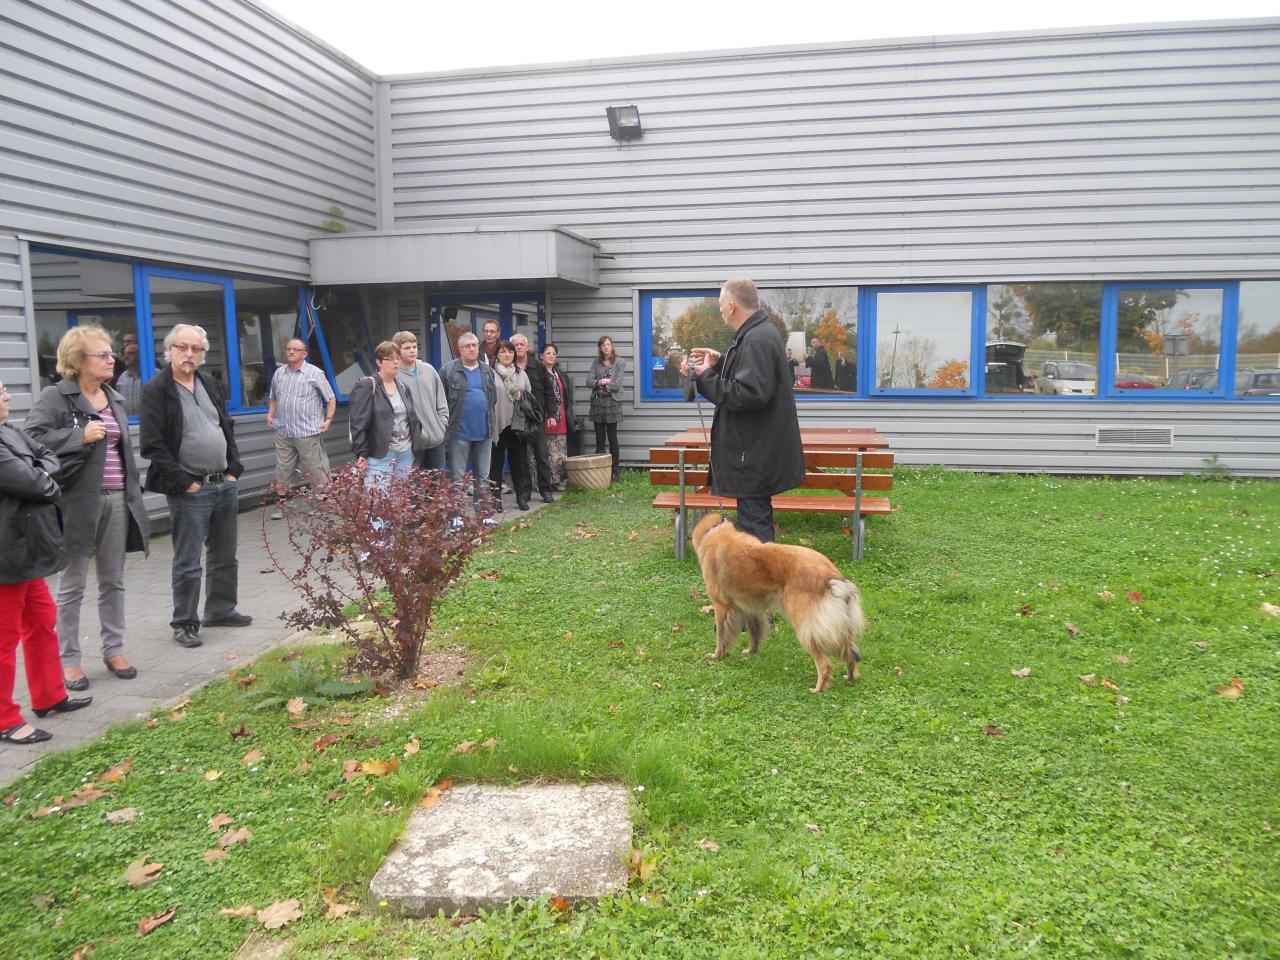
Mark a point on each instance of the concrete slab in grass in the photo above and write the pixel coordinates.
(483, 846)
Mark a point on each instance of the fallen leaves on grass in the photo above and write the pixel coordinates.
(179, 710)
(218, 821)
(1026, 610)
(1108, 684)
(1087, 678)
(1270, 609)
(350, 769)
(147, 924)
(708, 608)
(422, 683)
(813, 828)
(233, 837)
(379, 768)
(142, 874)
(279, 913)
(642, 868)
(240, 913)
(253, 756)
(212, 774)
(1232, 690)
(466, 746)
(211, 855)
(296, 707)
(1021, 673)
(1072, 628)
(325, 741)
(82, 796)
(116, 773)
(1121, 658)
(709, 845)
(490, 575)
(82, 952)
(559, 904)
(1134, 596)
(631, 537)
(412, 747)
(126, 815)
(993, 730)
(241, 731)
(1106, 595)
(333, 795)
(334, 909)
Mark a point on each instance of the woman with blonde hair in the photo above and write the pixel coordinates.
(85, 422)
(512, 424)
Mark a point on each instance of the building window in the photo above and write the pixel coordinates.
(1167, 338)
(1059, 324)
(923, 340)
(819, 325)
(1258, 341)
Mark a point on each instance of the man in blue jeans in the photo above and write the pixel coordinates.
(472, 394)
(190, 441)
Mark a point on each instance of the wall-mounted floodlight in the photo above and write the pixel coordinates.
(624, 123)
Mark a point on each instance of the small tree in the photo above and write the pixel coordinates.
(390, 548)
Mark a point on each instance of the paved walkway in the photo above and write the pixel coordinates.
(166, 671)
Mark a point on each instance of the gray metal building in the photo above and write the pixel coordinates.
(1105, 197)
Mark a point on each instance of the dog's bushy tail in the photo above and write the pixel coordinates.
(835, 623)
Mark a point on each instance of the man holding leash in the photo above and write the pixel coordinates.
(755, 435)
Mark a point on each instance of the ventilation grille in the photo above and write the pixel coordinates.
(1135, 436)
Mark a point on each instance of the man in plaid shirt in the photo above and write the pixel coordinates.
(300, 409)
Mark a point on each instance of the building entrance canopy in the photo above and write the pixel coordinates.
(455, 256)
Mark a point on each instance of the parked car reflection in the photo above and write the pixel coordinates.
(1005, 372)
(1064, 378)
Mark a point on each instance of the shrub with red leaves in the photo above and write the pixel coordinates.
(391, 549)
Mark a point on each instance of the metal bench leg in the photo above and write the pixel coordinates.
(682, 523)
(859, 531)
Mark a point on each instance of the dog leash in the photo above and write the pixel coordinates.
(707, 433)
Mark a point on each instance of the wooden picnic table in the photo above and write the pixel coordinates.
(812, 439)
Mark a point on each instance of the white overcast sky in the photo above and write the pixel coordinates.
(399, 36)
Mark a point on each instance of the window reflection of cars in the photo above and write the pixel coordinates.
(1258, 383)
(1193, 378)
(1133, 381)
(1005, 372)
(1066, 378)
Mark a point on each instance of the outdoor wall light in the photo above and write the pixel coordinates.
(624, 123)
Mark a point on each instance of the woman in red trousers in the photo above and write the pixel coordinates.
(30, 550)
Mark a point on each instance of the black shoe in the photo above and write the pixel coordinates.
(77, 685)
(124, 673)
(522, 503)
(186, 636)
(35, 736)
(232, 619)
(65, 705)
(548, 497)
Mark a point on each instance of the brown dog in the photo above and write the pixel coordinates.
(747, 580)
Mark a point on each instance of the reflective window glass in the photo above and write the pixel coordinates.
(923, 339)
(1168, 338)
(1058, 323)
(1258, 341)
(266, 316)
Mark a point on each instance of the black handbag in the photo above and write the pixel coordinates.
(32, 537)
(524, 421)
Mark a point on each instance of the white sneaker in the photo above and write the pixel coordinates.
(277, 515)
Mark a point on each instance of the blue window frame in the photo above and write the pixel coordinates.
(922, 341)
(164, 296)
(660, 350)
(451, 312)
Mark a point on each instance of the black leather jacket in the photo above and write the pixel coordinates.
(161, 434)
(372, 418)
(30, 526)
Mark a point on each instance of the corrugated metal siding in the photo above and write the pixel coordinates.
(1114, 153)
(16, 368)
(202, 133)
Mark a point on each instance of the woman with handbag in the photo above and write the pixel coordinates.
(85, 422)
(559, 420)
(514, 415)
(30, 550)
(605, 381)
(383, 421)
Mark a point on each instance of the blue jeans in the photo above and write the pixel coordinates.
(398, 461)
(479, 453)
(204, 520)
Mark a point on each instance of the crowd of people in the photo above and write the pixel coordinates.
(71, 488)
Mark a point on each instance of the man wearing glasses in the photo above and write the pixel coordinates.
(472, 393)
(190, 441)
(300, 408)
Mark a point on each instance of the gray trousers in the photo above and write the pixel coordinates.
(305, 455)
(108, 556)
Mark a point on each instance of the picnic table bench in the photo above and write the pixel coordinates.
(844, 493)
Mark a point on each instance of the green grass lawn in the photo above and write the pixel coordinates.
(1135, 818)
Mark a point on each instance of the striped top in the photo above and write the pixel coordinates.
(113, 467)
(300, 396)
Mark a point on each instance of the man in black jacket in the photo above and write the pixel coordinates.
(755, 436)
(190, 441)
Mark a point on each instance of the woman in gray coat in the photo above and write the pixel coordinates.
(86, 424)
(605, 379)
